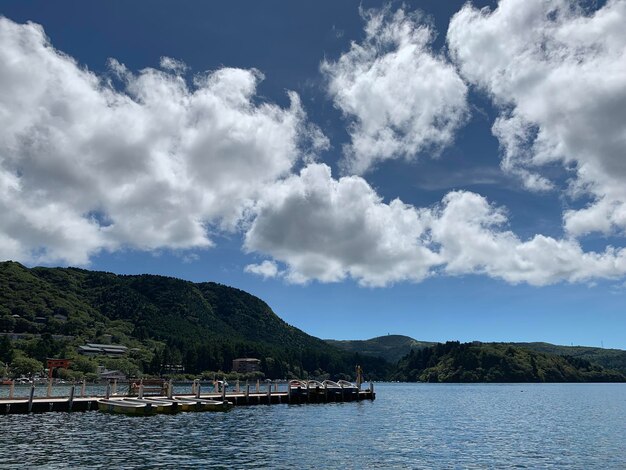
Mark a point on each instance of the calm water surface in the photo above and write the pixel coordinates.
(580, 426)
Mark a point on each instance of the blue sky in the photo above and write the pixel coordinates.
(422, 168)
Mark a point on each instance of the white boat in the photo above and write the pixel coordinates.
(159, 406)
(124, 407)
(206, 404)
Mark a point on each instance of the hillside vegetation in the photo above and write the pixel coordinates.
(201, 326)
(169, 324)
(608, 358)
(490, 362)
(391, 347)
(395, 347)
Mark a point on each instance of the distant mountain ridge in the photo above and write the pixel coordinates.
(394, 347)
(202, 326)
(497, 362)
(609, 358)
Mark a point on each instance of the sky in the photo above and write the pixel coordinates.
(442, 170)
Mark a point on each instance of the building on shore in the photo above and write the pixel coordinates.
(246, 364)
(94, 349)
(104, 374)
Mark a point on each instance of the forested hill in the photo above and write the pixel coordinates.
(395, 347)
(492, 362)
(390, 347)
(608, 358)
(202, 326)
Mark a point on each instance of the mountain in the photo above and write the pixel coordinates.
(608, 358)
(394, 347)
(202, 326)
(167, 322)
(492, 362)
(391, 347)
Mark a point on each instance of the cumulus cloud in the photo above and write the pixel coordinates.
(151, 162)
(328, 230)
(266, 269)
(472, 239)
(147, 160)
(402, 98)
(557, 70)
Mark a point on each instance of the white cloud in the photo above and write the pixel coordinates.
(329, 230)
(158, 163)
(266, 269)
(558, 73)
(85, 167)
(169, 63)
(402, 98)
(470, 234)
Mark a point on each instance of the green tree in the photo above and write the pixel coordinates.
(6, 350)
(25, 366)
(127, 366)
(84, 364)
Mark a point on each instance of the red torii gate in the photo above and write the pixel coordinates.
(55, 364)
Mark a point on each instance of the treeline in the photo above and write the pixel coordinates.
(171, 326)
(491, 362)
(167, 324)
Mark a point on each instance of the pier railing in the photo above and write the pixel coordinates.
(82, 396)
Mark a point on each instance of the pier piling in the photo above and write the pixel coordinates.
(30, 398)
(70, 403)
(296, 393)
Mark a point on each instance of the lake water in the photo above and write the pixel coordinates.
(569, 426)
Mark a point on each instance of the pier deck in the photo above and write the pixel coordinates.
(47, 404)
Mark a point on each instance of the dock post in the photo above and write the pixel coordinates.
(30, 398)
(114, 389)
(343, 395)
(325, 392)
(170, 387)
(49, 389)
(288, 392)
(70, 402)
(82, 388)
(247, 393)
(258, 386)
(11, 389)
(372, 388)
(108, 392)
(269, 393)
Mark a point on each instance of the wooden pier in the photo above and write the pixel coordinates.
(245, 397)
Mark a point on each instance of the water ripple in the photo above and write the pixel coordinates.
(408, 426)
